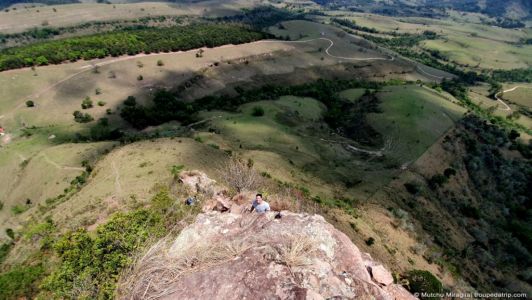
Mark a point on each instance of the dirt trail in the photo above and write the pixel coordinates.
(118, 186)
(329, 48)
(58, 166)
(506, 107)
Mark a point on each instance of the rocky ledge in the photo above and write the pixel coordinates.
(228, 255)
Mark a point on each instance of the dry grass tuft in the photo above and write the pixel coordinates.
(296, 253)
(286, 199)
(156, 273)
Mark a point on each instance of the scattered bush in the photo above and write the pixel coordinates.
(370, 241)
(160, 63)
(30, 103)
(101, 103)
(140, 77)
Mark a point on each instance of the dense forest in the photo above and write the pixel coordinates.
(126, 42)
(493, 204)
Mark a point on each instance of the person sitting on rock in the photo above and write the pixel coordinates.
(259, 205)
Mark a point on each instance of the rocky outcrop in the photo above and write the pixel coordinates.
(258, 256)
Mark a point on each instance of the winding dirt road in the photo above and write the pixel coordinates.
(506, 107)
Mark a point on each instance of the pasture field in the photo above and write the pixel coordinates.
(58, 90)
(352, 94)
(344, 45)
(462, 41)
(485, 53)
(412, 119)
(74, 14)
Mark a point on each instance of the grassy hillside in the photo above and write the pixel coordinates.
(329, 122)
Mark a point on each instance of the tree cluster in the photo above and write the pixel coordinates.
(129, 42)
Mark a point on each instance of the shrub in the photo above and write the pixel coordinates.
(239, 175)
(91, 265)
(160, 63)
(176, 169)
(4, 251)
(140, 77)
(420, 281)
(18, 209)
(98, 91)
(20, 282)
(258, 111)
(86, 103)
(30, 103)
(449, 172)
(101, 103)
(370, 241)
(10, 233)
(41, 232)
(437, 180)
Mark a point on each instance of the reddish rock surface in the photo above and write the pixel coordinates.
(299, 256)
(230, 253)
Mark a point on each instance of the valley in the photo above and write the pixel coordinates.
(397, 129)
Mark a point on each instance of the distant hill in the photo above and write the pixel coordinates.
(511, 9)
(7, 3)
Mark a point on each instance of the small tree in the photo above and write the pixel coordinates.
(140, 77)
(98, 91)
(30, 103)
(258, 111)
(101, 103)
(160, 63)
(240, 175)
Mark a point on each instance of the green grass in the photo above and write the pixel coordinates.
(462, 39)
(352, 94)
(413, 118)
